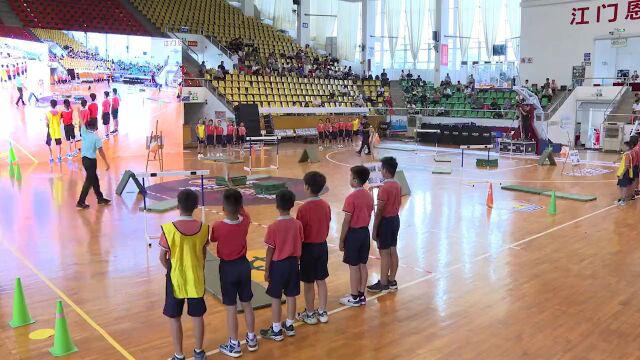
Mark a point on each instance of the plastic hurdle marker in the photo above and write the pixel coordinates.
(470, 147)
(259, 143)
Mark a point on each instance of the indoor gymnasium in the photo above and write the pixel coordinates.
(340, 179)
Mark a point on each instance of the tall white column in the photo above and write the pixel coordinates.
(248, 8)
(438, 27)
(367, 44)
(304, 34)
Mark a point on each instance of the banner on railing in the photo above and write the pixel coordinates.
(398, 123)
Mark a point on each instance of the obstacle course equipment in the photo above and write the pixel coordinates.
(548, 192)
(309, 154)
(21, 316)
(491, 163)
(62, 344)
(547, 156)
(161, 206)
(124, 180)
(404, 185)
(441, 170)
(477, 147)
(552, 210)
(257, 143)
(231, 181)
(212, 284)
(490, 196)
(268, 187)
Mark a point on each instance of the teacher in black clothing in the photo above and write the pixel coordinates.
(366, 136)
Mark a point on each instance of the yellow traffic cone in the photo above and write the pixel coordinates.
(21, 315)
(62, 344)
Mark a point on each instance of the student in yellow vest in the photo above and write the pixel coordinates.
(183, 251)
(52, 119)
(355, 126)
(201, 135)
(625, 175)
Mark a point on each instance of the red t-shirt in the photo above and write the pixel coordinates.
(211, 129)
(219, 130)
(106, 105)
(315, 216)
(320, 128)
(242, 131)
(231, 236)
(115, 103)
(93, 110)
(84, 116)
(285, 236)
(343, 125)
(67, 117)
(635, 156)
(390, 192)
(360, 205)
(230, 129)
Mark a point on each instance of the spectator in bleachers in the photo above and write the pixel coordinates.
(635, 77)
(554, 86)
(547, 84)
(203, 69)
(410, 75)
(459, 87)
(526, 84)
(380, 91)
(402, 75)
(547, 93)
(495, 106)
(471, 81)
(447, 79)
(222, 68)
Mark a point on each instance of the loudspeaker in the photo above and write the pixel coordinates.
(435, 36)
(250, 116)
(296, 2)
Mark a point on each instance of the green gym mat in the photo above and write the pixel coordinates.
(441, 170)
(212, 284)
(234, 180)
(161, 206)
(525, 189)
(569, 196)
(268, 187)
(257, 177)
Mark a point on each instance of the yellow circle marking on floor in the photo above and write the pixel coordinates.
(41, 334)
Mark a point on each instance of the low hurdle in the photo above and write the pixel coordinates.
(260, 141)
(426, 131)
(470, 147)
(144, 175)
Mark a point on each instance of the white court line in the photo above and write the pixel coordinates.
(450, 269)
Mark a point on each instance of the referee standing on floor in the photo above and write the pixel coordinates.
(366, 136)
(91, 144)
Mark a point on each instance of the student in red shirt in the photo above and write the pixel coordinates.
(386, 225)
(320, 129)
(69, 130)
(242, 134)
(211, 137)
(93, 107)
(341, 132)
(115, 106)
(235, 271)
(106, 115)
(284, 246)
(354, 236)
(315, 216)
(84, 112)
(231, 129)
(219, 136)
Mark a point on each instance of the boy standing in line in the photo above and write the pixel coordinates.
(242, 134)
(69, 129)
(52, 120)
(93, 107)
(320, 129)
(219, 137)
(106, 113)
(211, 136)
(115, 106)
(315, 216)
(386, 225)
(235, 271)
(354, 236)
(284, 246)
(229, 137)
(200, 134)
(183, 251)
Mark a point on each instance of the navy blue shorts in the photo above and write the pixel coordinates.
(235, 281)
(173, 306)
(48, 140)
(284, 276)
(106, 118)
(349, 134)
(114, 113)
(356, 246)
(211, 140)
(229, 139)
(388, 229)
(636, 172)
(313, 262)
(625, 180)
(321, 136)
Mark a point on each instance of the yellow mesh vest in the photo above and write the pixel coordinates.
(187, 262)
(201, 131)
(54, 124)
(620, 170)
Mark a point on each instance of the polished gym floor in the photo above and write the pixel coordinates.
(512, 282)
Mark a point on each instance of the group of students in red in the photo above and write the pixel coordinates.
(338, 133)
(212, 137)
(57, 120)
(629, 172)
(296, 251)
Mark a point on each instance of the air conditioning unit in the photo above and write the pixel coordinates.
(612, 135)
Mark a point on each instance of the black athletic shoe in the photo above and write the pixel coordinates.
(393, 285)
(377, 287)
(268, 333)
(289, 330)
(104, 201)
(82, 206)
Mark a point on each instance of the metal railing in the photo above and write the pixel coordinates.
(203, 82)
(176, 29)
(599, 81)
(616, 99)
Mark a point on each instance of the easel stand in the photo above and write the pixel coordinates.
(155, 147)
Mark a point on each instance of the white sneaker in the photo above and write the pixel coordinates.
(323, 316)
(309, 319)
(348, 300)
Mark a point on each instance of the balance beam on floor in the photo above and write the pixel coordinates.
(470, 147)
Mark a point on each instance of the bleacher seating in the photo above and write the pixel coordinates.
(69, 62)
(59, 37)
(289, 91)
(101, 16)
(15, 32)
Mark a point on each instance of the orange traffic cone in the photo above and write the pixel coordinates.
(490, 196)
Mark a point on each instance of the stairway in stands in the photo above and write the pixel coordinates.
(7, 16)
(397, 95)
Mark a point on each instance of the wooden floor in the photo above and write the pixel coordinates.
(474, 283)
